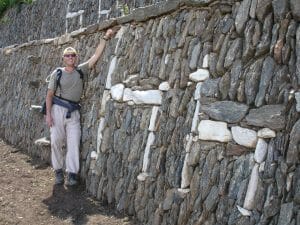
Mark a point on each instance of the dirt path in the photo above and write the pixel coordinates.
(28, 196)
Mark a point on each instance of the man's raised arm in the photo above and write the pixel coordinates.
(99, 50)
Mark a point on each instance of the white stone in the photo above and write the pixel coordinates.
(196, 117)
(111, 69)
(153, 118)
(198, 91)
(189, 141)
(214, 131)
(117, 92)
(205, 61)
(195, 138)
(266, 133)
(152, 97)
(105, 98)
(260, 150)
(90, 119)
(150, 140)
(189, 83)
(244, 136)
(220, 156)
(38, 107)
(119, 37)
(131, 78)
(167, 58)
(105, 12)
(130, 103)
(185, 174)
(184, 190)
(94, 155)
(243, 211)
(99, 133)
(261, 167)
(142, 176)
(297, 97)
(164, 86)
(74, 14)
(251, 190)
(199, 75)
(289, 181)
(42, 141)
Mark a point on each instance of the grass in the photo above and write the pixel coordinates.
(6, 4)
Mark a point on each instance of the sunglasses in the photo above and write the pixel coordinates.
(70, 55)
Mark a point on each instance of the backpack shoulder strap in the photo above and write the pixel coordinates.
(80, 72)
(58, 77)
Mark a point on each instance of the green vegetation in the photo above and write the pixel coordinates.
(6, 4)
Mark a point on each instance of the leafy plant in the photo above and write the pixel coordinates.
(4, 20)
(6, 4)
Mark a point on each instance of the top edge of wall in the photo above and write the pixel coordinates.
(141, 14)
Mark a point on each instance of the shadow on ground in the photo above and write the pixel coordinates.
(73, 204)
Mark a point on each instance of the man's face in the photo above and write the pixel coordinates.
(70, 59)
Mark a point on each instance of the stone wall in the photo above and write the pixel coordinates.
(191, 117)
(49, 19)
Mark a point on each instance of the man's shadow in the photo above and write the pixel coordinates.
(71, 204)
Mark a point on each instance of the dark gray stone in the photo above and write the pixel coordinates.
(272, 207)
(270, 162)
(275, 32)
(234, 52)
(194, 155)
(257, 33)
(212, 199)
(286, 213)
(209, 175)
(226, 111)
(280, 8)
(263, 8)
(241, 171)
(197, 2)
(224, 86)
(213, 59)
(236, 73)
(298, 55)
(236, 150)
(266, 76)
(210, 88)
(226, 24)
(296, 186)
(208, 32)
(253, 9)
(292, 156)
(279, 89)
(222, 55)
(252, 75)
(194, 53)
(295, 7)
(271, 116)
(218, 42)
(248, 47)
(242, 16)
(264, 45)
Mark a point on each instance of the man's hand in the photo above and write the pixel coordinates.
(111, 32)
(49, 120)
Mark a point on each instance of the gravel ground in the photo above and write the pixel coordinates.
(28, 196)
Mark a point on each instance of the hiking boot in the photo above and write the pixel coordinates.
(59, 177)
(72, 179)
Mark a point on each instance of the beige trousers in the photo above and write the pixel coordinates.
(65, 131)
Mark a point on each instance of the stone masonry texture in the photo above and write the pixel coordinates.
(229, 70)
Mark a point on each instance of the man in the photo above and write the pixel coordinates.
(62, 110)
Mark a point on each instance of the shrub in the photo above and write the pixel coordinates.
(6, 4)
